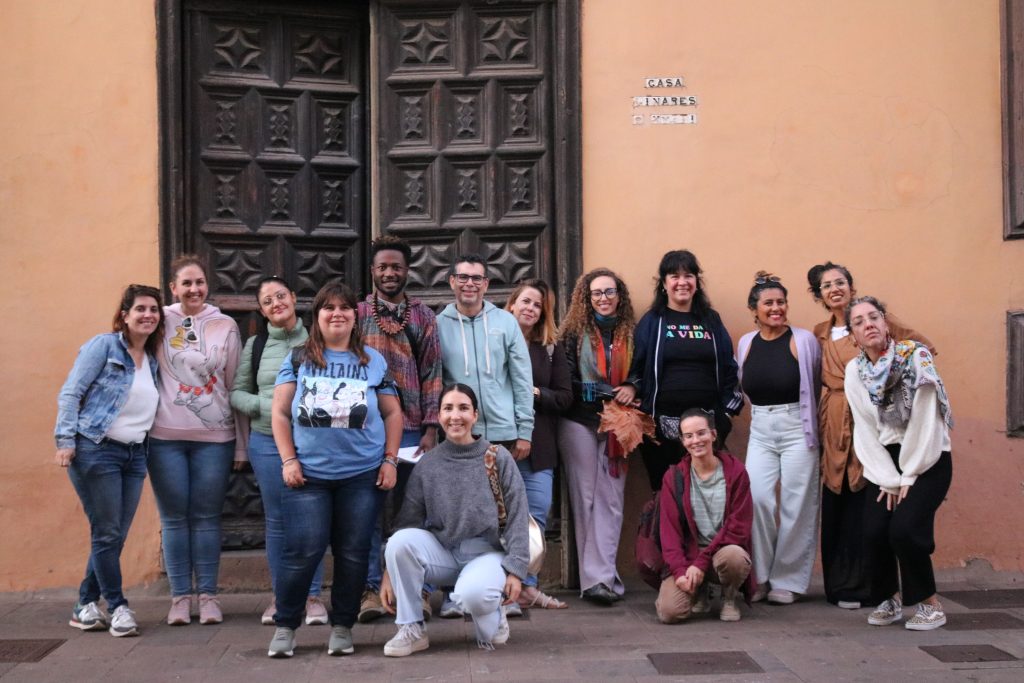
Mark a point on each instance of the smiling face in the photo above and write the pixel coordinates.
(698, 437)
(277, 303)
(604, 295)
(836, 291)
(528, 308)
(868, 326)
(680, 288)
(143, 317)
(336, 320)
(457, 417)
(190, 288)
(469, 284)
(771, 309)
(390, 273)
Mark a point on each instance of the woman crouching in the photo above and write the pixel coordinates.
(901, 423)
(713, 546)
(452, 530)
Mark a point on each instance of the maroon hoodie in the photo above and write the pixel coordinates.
(679, 546)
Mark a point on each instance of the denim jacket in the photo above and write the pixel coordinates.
(96, 389)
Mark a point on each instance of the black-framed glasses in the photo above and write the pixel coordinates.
(609, 293)
(463, 278)
(766, 279)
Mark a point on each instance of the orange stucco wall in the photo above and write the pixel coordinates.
(863, 132)
(78, 187)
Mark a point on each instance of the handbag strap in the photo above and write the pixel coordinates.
(491, 463)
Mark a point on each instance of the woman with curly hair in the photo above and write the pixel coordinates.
(598, 336)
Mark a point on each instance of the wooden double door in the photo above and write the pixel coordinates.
(294, 132)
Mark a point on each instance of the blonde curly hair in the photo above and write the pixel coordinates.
(580, 316)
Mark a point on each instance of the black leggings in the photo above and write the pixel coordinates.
(898, 544)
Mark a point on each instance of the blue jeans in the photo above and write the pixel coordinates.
(266, 465)
(190, 480)
(375, 572)
(341, 512)
(538, 497)
(108, 479)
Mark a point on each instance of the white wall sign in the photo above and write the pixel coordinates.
(663, 119)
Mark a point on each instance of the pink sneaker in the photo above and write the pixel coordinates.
(316, 613)
(209, 609)
(181, 611)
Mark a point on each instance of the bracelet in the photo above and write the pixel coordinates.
(389, 461)
(288, 460)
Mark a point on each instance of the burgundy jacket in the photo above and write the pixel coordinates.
(679, 546)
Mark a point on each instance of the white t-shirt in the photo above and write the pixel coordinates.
(136, 417)
(840, 332)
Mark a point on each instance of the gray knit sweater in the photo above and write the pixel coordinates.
(449, 496)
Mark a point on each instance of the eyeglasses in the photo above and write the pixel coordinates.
(463, 278)
(609, 293)
(838, 282)
(874, 317)
(269, 300)
(766, 279)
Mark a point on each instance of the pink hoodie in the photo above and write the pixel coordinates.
(198, 360)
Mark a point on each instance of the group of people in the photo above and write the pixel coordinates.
(419, 446)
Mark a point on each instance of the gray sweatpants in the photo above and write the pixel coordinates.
(415, 556)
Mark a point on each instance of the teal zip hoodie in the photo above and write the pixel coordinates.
(253, 391)
(488, 353)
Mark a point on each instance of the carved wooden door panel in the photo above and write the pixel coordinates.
(466, 136)
(274, 156)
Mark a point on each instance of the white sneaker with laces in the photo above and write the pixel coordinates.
(889, 612)
(122, 622)
(410, 638)
(502, 636)
(928, 617)
(88, 617)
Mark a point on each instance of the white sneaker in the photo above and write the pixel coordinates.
(889, 612)
(88, 617)
(450, 609)
(122, 622)
(501, 637)
(848, 604)
(267, 619)
(780, 596)
(410, 638)
(928, 617)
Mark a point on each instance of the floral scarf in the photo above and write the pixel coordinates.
(594, 370)
(893, 381)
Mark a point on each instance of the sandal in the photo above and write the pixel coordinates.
(541, 600)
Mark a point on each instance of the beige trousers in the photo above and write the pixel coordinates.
(731, 567)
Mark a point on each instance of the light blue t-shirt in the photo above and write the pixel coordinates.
(337, 427)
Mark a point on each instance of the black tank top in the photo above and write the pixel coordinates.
(771, 375)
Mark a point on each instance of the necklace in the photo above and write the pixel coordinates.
(387, 323)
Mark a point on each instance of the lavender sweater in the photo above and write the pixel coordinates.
(448, 495)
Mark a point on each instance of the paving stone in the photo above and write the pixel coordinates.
(703, 663)
(976, 621)
(987, 599)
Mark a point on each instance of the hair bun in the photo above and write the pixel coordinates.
(762, 274)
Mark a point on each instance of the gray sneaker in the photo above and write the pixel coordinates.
(283, 642)
(450, 609)
(340, 642)
(410, 638)
(889, 612)
(122, 622)
(88, 617)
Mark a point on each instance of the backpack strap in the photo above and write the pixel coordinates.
(258, 344)
(679, 497)
(491, 463)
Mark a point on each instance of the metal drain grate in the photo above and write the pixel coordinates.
(704, 663)
(27, 650)
(982, 621)
(968, 653)
(981, 599)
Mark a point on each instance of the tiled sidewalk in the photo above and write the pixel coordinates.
(807, 641)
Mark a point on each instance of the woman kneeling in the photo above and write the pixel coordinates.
(713, 546)
(452, 528)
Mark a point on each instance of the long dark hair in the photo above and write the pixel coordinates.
(315, 344)
(128, 297)
(683, 260)
(815, 274)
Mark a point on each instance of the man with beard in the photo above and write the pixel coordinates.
(483, 347)
(404, 331)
